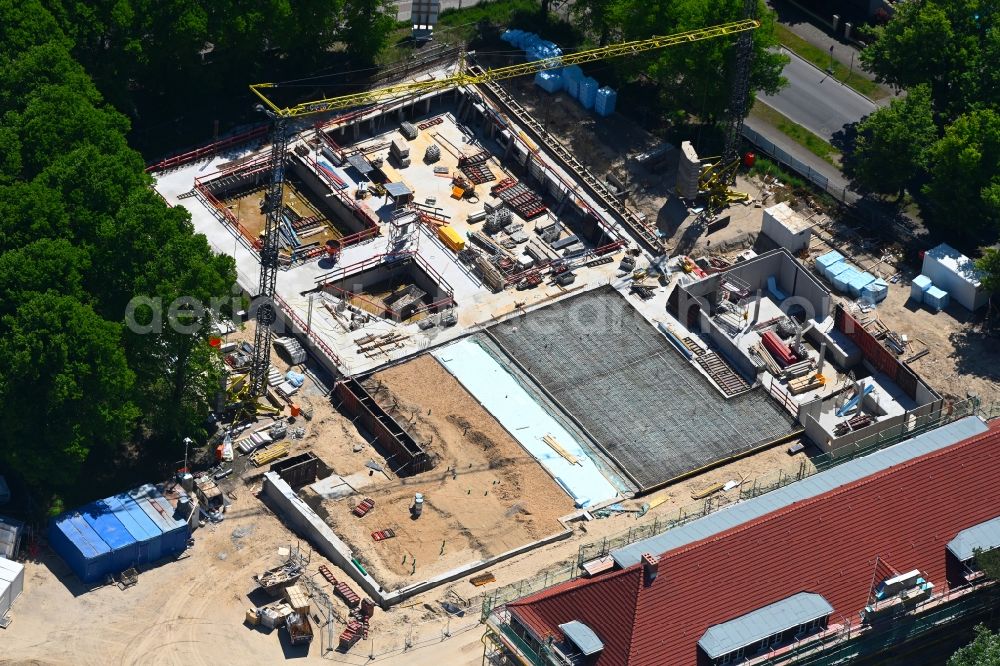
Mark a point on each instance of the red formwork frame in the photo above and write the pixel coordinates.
(210, 149)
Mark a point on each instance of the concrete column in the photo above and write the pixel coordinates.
(822, 358)
(427, 105)
(756, 307)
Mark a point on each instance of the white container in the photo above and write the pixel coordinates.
(954, 272)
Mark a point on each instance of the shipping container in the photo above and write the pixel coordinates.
(176, 530)
(142, 528)
(74, 540)
(124, 549)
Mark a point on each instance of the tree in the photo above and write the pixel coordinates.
(691, 78)
(989, 264)
(951, 45)
(983, 651)
(988, 562)
(65, 388)
(964, 168)
(892, 143)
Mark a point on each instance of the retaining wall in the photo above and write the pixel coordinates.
(307, 523)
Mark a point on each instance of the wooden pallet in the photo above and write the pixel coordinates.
(382, 535)
(726, 378)
(484, 578)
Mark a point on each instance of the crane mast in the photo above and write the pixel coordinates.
(266, 311)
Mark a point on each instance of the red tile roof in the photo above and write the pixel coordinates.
(828, 544)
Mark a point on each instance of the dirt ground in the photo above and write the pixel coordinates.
(485, 495)
(246, 207)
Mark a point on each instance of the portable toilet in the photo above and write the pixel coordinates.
(936, 299)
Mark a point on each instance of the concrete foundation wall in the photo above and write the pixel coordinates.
(315, 186)
(307, 523)
(361, 281)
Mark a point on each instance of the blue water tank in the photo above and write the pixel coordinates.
(80, 547)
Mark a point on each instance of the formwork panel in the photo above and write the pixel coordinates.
(653, 413)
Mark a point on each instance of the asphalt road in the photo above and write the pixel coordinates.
(816, 100)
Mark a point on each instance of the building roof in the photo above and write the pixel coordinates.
(755, 626)
(903, 513)
(985, 535)
(582, 636)
(361, 163)
(807, 488)
(397, 190)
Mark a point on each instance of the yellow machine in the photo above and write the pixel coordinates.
(713, 183)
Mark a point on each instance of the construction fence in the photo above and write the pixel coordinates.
(784, 157)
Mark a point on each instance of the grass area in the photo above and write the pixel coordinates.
(797, 133)
(821, 59)
(765, 167)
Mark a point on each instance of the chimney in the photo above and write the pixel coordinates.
(650, 567)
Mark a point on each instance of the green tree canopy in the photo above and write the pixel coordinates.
(81, 234)
(983, 651)
(65, 389)
(989, 264)
(951, 45)
(691, 78)
(964, 169)
(891, 147)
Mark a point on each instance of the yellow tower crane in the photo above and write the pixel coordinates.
(272, 206)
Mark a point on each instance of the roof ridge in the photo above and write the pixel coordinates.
(871, 478)
(566, 587)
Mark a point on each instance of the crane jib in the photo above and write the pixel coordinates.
(500, 73)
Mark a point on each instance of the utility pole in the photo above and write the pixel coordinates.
(187, 442)
(829, 70)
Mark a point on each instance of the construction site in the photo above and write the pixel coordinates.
(474, 357)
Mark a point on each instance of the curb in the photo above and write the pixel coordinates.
(793, 54)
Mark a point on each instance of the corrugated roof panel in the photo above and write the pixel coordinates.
(82, 535)
(102, 519)
(135, 520)
(984, 535)
(810, 487)
(755, 626)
